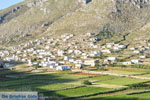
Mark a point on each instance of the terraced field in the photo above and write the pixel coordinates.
(69, 84)
(122, 81)
(78, 91)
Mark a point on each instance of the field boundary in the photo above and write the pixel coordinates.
(111, 91)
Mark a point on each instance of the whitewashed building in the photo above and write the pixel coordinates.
(60, 52)
(135, 61)
(127, 63)
(112, 59)
(91, 62)
(63, 67)
(106, 51)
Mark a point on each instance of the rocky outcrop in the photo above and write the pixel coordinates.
(138, 3)
(36, 3)
(7, 16)
(85, 1)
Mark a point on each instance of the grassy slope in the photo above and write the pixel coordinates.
(67, 19)
(78, 92)
(88, 18)
(123, 81)
(139, 35)
(32, 20)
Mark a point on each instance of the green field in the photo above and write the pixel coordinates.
(127, 70)
(122, 81)
(69, 84)
(38, 82)
(55, 86)
(145, 75)
(102, 77)
(146, 95)
(77, 92)
(117, 97)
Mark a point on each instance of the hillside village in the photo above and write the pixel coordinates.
(68, 52)
(76, 49)
(71, 51)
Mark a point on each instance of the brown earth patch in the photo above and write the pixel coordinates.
(86, 74)
(3, 79)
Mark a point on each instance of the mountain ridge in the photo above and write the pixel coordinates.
(32, 19)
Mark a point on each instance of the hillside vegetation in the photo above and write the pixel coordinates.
(110, 19)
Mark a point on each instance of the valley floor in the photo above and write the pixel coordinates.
(68, 85)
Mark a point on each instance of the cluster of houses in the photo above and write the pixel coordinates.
(67, 52)
(110, 47)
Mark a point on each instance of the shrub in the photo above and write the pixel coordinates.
(141, 66)
(102, 69)
(139, 86)
(86, 82)
(36, 66)
(33, 60)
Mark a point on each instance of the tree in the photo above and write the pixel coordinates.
(36, 66)
(33, 59)
(87, 82)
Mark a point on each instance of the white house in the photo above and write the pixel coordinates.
(35, 52)
(9, 59)
(88, 34)
(29, 62)
(116, 48)
(112, 58)
(135, 61)
(67, 57)
(95, 53)
(122, 46)
(62, 62)
(72, 60)
(63, 67)
(109, 45)
(106, 51)
(79, 61)
(91, 62)
(79, 66)
(143, 49)
(137, 52)
(77, 52)
(70, 51)
(2, 54)
(119, 47)
(127, 63)
(143, 57)
(45, 53)
(6, 65)
(53, 66)
(40, 56)
(132, 49)
(18, 52)
(47, 47)
(147, 48)
(60, 52)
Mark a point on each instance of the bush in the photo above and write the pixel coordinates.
(36, 66)
(139, 86)
(102, 69)
(141, 66)
(86, 82)
(33, 60)
(115, 65)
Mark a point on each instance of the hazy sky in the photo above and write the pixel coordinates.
(7, 3)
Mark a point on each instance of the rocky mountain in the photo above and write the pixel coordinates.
(118, 20)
